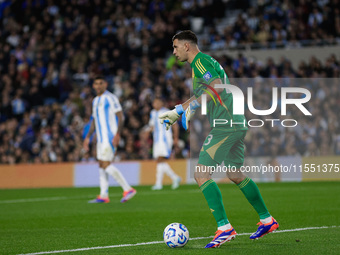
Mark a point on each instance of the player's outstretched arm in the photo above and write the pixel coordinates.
(193, 103)
(175, 134)
(212, 84)
(86, 142)
(116, 138)
(190, 112)
(189, 107)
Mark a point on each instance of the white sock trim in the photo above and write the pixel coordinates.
(266, 220)
(225, 227)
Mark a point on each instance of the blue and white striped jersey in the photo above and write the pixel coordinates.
(104, 109)
(160, 135)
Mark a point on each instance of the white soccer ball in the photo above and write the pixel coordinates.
(176, 235)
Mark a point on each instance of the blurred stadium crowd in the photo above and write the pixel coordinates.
(50, 51)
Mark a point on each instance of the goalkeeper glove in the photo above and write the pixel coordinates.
(170, 117)
(189, 113)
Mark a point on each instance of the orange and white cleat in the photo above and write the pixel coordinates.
(127, 195)
(264, 229)
(221, 237)
(99, 200)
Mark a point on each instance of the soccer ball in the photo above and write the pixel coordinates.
(176, 235)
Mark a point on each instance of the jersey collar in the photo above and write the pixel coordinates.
(195, 59)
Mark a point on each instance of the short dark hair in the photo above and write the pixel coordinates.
(99, 77)
(185, 35)
(160, 98)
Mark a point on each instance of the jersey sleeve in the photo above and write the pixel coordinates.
(115, 103)
(205, 71)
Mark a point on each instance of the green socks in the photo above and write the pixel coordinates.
(213, 196)
(250, 190)
(253, 195)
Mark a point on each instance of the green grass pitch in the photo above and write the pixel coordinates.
(40, 220)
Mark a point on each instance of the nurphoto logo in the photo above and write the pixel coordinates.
(238, 105)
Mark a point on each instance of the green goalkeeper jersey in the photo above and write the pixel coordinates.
(205, 69)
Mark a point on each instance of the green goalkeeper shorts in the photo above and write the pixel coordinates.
(222, 146)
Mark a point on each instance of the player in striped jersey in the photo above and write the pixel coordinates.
(108, 122)
(162, 145)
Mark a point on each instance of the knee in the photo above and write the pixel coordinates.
(236, 177)
(104, 165)
(237, 180)
(201, 176)
(160, 159)
(200, 179)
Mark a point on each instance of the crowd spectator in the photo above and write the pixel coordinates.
(277, 24)
(50, 51)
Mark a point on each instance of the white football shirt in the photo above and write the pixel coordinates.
(104, 109)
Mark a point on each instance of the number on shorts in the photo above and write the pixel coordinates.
(209, 139)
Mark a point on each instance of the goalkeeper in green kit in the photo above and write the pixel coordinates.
(223, 144)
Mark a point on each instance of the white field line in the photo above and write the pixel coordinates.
(40, 199)
(158, 242)
(43, 199)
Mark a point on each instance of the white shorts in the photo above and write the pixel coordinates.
(161, 150)
(105, 151)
